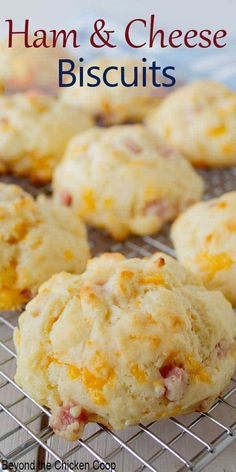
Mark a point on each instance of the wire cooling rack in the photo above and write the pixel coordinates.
(174, 445)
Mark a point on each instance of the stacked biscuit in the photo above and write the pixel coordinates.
(92, 343)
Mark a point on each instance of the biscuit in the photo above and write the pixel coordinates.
(205, 241)
(37, 239)
(34, 132)
(116, 105)
(125, 180)
(200, 121)
(128, 341)
(30, 68)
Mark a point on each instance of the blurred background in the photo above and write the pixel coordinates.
(184, 13)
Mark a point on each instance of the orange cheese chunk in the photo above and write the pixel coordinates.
(213, 263)
(138, 374)
(108, 202)
(89, 200)
(195, 369)
(156, 279)
(98, 398)
(228, 148)
(231, 226)
(11, 299)
(217, 131)
(68, 254)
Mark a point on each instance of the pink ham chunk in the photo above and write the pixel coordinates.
(65, 198)
(175, 382)
(133, 146)
(66, 416)
(221, 349)
(167, 152)
(26, 293)
(160, 207)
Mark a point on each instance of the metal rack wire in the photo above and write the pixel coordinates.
(158, 446)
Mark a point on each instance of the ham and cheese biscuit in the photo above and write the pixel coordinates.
(125, 180)
(34, 132)
(37, 239)
(205, 241)
(128, 341)
(119, 104)
(200, 121)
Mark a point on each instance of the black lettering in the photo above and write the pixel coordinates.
(66, 74)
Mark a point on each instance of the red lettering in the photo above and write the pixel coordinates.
(190, 35)
(174, 35)
(203, 35)
(219, 35)
(127, 32)
(153, 35)
(25, 33)
(65, 37)
(40, 41)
